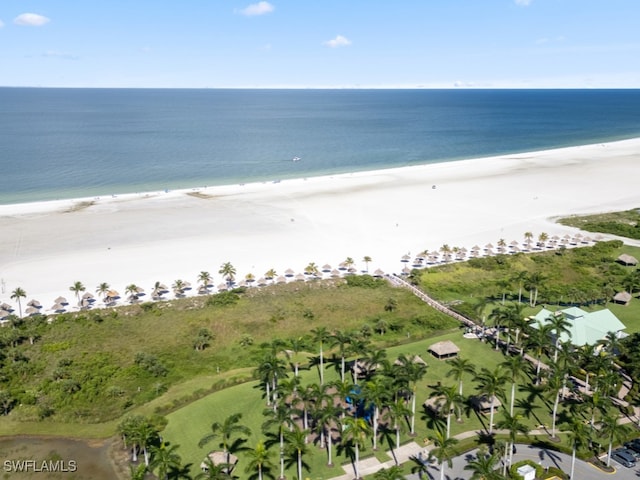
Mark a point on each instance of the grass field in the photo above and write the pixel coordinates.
(187, 425)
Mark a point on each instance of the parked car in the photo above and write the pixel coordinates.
(624, 457)
(633, 445)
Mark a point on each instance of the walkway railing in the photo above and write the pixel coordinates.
(399, 282)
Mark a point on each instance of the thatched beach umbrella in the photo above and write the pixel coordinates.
(61, 301)
(5, 306)
(335, 273)
(289, 272)
(281, 279)
(31, 311)
(326, 268)
(34, 303)
(4, 314)
(378, 273)
(58, 308)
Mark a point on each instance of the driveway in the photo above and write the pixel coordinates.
(544, 457)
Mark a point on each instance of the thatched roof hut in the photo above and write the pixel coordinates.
(414, 359)
(220, 458)
(482, 403)
(622, 297)
(434, 404)
(443, 350)
(627, 260)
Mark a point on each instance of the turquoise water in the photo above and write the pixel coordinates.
(67, 143)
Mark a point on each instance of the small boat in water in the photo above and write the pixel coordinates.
(296, 159)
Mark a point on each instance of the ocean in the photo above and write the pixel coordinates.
(71, 143)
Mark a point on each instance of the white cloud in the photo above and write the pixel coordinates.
(523, 3)
(1, 24)
(339, 41)
(63, 55)
(31, 20)
(260, 8)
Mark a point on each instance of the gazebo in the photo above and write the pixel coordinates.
(443, 350)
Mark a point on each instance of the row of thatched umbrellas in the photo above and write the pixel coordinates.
(446, 255)
(180, 288)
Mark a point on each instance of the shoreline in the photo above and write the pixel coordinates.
(163, 236)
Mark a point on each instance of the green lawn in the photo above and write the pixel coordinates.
(187, 425)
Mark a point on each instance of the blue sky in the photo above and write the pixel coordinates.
(321, 43)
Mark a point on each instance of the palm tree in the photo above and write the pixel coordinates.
(349, 262)
(259, 460)
(228, 272)
(519, 278)
(537, 340)
(271, 369)
(514, 426)
(578, 437)
(179, 287)
(411, 373)
(448, 401)
(280, 417)
(612, 430)
(132, 289)
(460, 366)
(228, 429)
(103, 289)
(534, 280)
(297, 443)
(204, 278)
(514, 367)
(397, 411)
(270, 274)
(354, 433)
(18, 294)
(484, 467)
(295, 346)
(558, 325)
(145, 435)
(76, 288)
(394, 472)
(341, 340)
(491, 384)
(219, 471)
(367, 259)
(312, 269)
(164, 458)
(138, 472)
(320, 336)
(326, 416)
(375, 392)
(554, 386)
(443, 450)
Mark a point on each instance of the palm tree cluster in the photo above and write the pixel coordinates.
(375, 402)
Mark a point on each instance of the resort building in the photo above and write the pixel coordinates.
(586, 328)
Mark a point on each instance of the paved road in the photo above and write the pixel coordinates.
(583, 470)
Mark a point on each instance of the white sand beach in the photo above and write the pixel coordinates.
(164, 236)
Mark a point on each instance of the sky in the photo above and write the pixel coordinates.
(320, 43)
